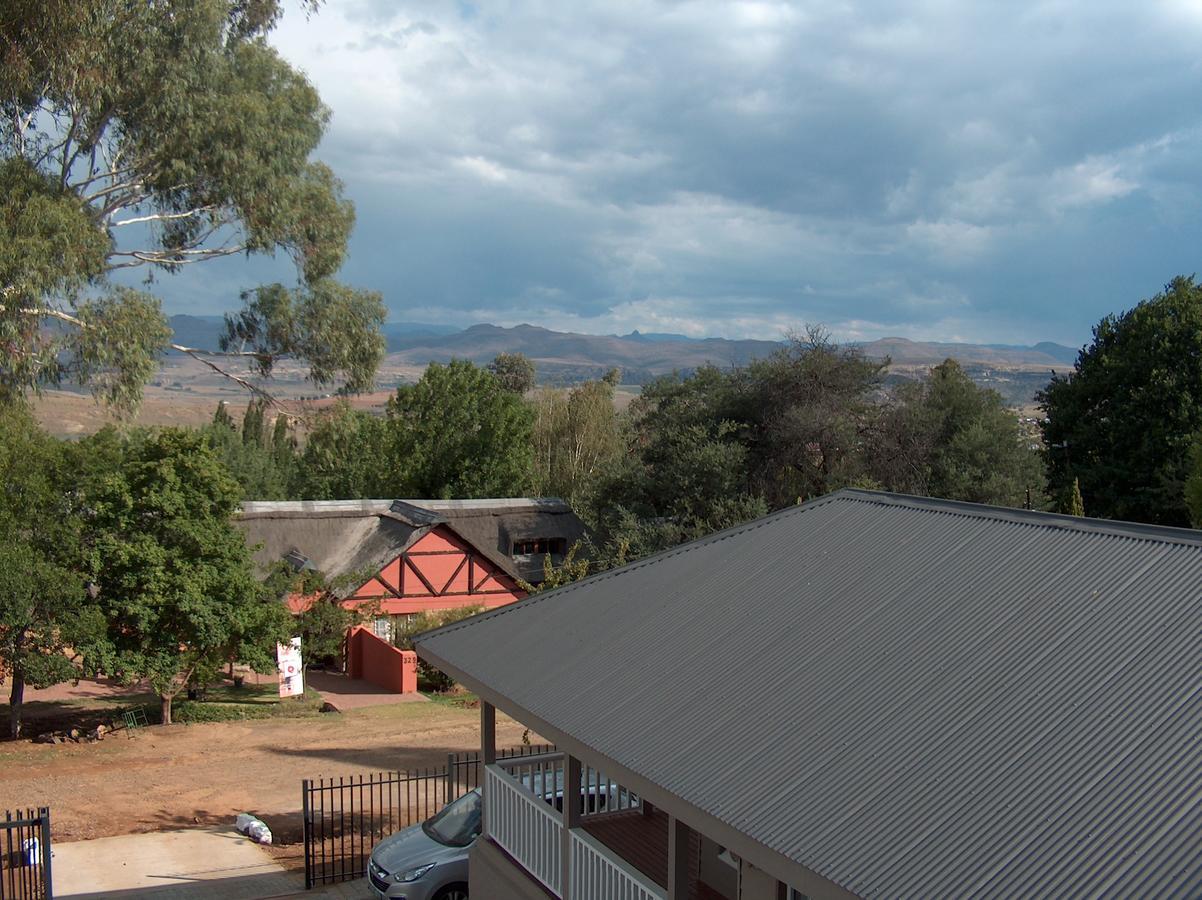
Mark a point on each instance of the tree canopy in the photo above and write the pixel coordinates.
(457, 433)
(156, 136)
(177, 585)
(1123, 423)
(45, 607)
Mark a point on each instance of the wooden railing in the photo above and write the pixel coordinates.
(596, 874)
(527, 827)
(523, 801)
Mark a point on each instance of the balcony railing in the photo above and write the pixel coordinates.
(596, 874)
(523, 815)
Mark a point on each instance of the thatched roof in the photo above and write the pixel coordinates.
(342, 537)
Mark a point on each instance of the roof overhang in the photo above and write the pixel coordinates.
(784, 869)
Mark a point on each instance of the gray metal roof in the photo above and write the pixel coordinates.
(902, 697)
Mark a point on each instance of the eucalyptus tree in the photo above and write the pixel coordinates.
(154, 136)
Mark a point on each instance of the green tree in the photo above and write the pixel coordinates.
(154, 136)
(806, 410)
(1124, 421)
(576, 434)
(343, 457)
(222, 417)
(45, 609)
(253, 423)
(458, 433)
(514, 371)
(947, 437)
(1073, 503)
(177, 584)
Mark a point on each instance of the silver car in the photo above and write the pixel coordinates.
(428, 861)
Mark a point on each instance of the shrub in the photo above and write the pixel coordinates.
(403, 636)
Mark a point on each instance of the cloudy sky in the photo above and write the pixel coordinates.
(986, 171)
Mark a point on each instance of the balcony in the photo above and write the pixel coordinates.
(618, 850)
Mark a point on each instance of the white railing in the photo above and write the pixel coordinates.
(528, 828)
(596, 874)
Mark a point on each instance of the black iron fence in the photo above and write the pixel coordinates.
(345, 817)
(25, 855)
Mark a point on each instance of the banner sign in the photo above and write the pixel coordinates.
(288, 661)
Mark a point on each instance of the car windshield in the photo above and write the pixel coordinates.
(458, 823)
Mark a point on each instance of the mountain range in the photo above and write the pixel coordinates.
(414, 343)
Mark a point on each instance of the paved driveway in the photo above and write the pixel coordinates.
(188, 864)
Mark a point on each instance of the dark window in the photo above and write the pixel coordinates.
(539, 547)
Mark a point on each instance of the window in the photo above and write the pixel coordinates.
(540, 547)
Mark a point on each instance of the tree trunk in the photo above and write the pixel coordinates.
(165, 709)
(16, 697)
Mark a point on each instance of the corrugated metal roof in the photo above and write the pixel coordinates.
(910, 698)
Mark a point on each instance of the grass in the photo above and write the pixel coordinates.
(230, 704)
(221, 703)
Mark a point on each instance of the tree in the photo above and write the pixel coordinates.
(1073, 504)
(1124, 421)
(343, 458)
(807, 409)
(457, 433)
(576, 434)
(947, 437)
(45, 608)
(177, 585)
(155, 136)
(514, 371)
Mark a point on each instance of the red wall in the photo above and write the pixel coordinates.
(439, 557)
(377, 661)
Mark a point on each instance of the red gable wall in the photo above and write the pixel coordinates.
(440, 571)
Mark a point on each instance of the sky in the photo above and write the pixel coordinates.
(994, 172)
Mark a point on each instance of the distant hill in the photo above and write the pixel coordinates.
(206, 331)
(569, 356)
(1018, 372)
(565, 356)
(905, 352)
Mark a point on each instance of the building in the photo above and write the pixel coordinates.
(411, 556)
(867, 695)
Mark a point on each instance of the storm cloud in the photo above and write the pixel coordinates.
(985, 171)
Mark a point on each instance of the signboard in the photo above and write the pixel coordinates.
(288, 661)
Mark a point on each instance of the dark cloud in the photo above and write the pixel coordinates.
(984, 171)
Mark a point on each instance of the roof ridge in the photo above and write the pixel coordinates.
(1028, 517)
(637, 564)
(1035, 517)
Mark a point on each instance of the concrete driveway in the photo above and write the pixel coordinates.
(188, 864)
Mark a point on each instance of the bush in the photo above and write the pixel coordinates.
(403, 636)
(191, 712)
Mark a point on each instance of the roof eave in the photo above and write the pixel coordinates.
(768, 860)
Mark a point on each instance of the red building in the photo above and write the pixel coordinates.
(410, 556)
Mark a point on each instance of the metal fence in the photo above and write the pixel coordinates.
(25, 855)
(345, 817)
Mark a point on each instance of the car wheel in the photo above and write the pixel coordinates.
(453, 892)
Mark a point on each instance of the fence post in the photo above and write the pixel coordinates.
(47, 881)
(307, 830)
(450, 777)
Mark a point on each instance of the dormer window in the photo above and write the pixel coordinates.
(540, 547)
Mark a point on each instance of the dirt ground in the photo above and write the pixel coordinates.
(205, 774)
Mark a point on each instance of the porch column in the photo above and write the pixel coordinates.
(678, 859)
(488, 733)
(488, 754)
(571, 821)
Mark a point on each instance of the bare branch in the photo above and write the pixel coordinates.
(163, 217)
(194, 352)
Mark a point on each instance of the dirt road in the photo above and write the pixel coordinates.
(206, 774)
